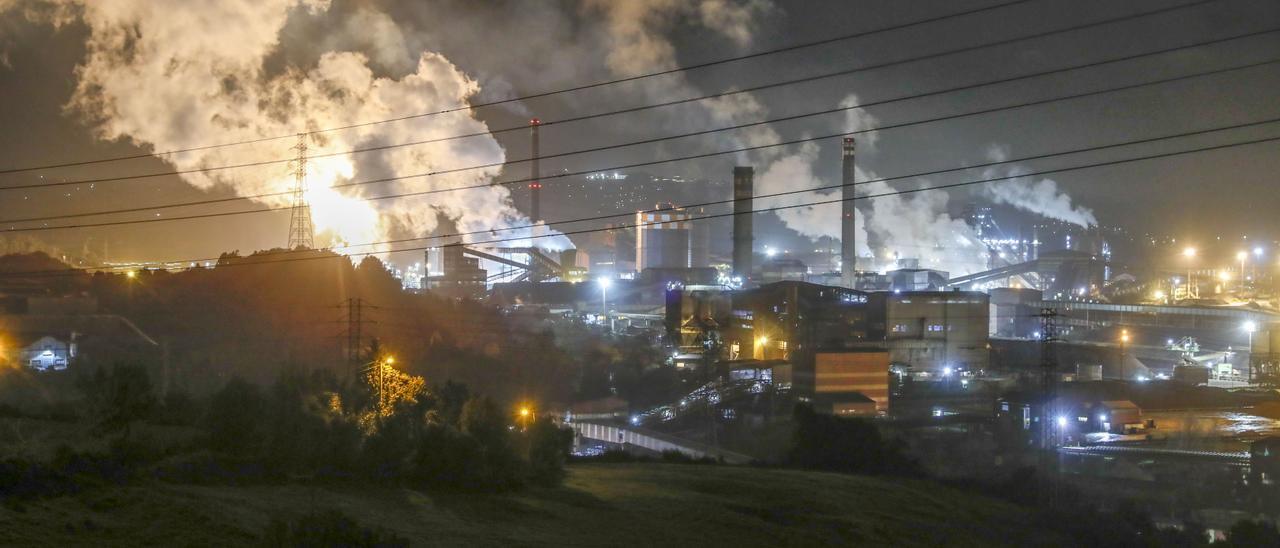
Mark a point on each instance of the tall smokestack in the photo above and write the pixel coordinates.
(848, 217)
(535, 186)
(743, 191)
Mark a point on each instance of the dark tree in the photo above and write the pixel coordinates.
(126, 398)
(826, 442)
(235, 418)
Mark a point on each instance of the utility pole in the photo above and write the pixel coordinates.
(710, 356)
(1048, 368)
(301, 232)
(1048, 422)
(354, 323)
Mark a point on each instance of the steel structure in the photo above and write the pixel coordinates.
(301, 232)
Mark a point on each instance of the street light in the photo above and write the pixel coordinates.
(1124, 340)
(1250, 327)
(604, 297)
(524, 417)
(381, 364)
(1257, 254)
(1189, 253)
(1242, 256)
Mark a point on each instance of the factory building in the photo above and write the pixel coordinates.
(793, 321)
(664, 238)
(852, 383)
(1015, 313)
(462, 275)
(916, 279)
(783, 270)
(834, 338)
(936, 332)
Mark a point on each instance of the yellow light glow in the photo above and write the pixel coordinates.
(344, 220)
(131, 274)
(1224, 275)
(1240, 256)
(762, 341)
(1159, 295)
(524, 411)
(1189, 252)
(390, 360)
(1124, 336)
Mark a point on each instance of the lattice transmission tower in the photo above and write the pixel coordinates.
(301, 232)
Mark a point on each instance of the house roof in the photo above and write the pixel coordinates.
(31, 327)
(1119, 404)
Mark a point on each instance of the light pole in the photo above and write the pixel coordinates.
(1250, 327)
(1124, 340)
(1242, 256)
(604, 299)
(1190, 254)
(1257, 258)
(381, 365)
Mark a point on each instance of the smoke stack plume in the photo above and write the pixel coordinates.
(848, 217)
(743, 191)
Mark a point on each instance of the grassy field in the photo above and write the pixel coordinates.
(599, 505)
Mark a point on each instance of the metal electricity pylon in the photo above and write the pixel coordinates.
(301, 232)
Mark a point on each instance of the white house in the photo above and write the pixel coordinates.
(48, 353)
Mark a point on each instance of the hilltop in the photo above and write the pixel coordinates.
(599, 504)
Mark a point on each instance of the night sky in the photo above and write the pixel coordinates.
(521, 47)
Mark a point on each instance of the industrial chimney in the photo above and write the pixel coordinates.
(848, 218)
(535, 186)
(743, 183)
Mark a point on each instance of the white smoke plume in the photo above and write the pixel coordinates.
(637, 42)
(888, 228)
(179, 78)
(1036, 196)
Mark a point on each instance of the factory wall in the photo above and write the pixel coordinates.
(935, 330)
(842, 373)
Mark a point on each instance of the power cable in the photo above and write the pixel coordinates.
(207, 169)
(540, 94)
(322, 255)
(647, 163)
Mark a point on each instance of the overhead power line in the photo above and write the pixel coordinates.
(859, 183)
(311, 255)
(276, 161)
(626, 166)
(580, 87)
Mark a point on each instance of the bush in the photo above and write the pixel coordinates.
(328, 528)
(826, 442)
(123, 397)
(549, 447)
(1253, 533)
(235, 418)
(68, 473)
(208, 469)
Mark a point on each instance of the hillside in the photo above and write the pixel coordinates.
(600, 504)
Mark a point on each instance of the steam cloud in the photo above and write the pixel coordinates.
(1041, 197)
(888, 227)
(169, 79)
(166, 79)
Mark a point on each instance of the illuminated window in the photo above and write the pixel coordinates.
(899, 328)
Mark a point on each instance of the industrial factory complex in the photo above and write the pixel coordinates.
(1051, 301)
